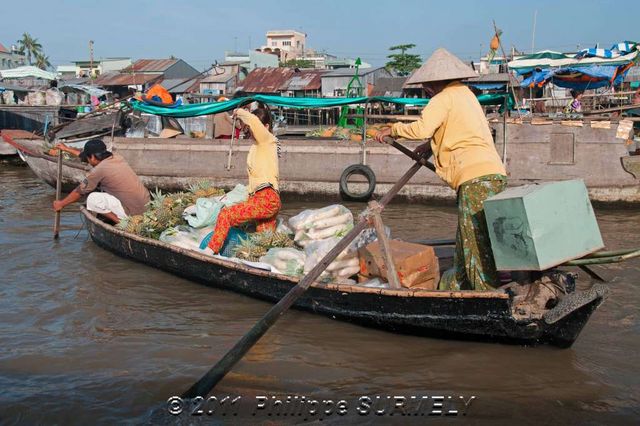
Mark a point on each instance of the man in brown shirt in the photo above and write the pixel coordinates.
(122, 192)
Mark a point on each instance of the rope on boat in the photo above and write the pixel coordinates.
(605, 257)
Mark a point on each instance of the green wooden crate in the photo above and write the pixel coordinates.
(537, 227)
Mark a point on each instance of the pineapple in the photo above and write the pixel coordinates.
(165, 217)
(204, 189)
(258, 244)
(134, 224)
(157, 199)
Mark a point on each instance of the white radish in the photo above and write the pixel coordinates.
(337, 265)
(321, 234)
(333, 221)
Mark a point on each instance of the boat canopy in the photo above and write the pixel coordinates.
(588, 69)
(208, 108)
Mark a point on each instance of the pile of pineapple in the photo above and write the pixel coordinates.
(165, 210)
(257, 245)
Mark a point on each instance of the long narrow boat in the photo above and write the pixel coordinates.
(536, 151)
(472, 315)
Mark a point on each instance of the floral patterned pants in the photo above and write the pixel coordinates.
(473, 264)
(262, 207)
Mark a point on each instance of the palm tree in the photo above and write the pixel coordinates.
(30, 46)
(42, 61)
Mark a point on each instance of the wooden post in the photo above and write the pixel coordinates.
(385, 248)
(233, 136)
(504, 130)
(364, 135)
(56, 222)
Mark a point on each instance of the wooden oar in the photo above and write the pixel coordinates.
(203, 386)
(233, 136)
(56, 223)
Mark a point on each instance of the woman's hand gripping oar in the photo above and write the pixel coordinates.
(203, 386)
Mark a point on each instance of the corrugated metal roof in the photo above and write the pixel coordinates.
(151, 65)
(181, 85)
(266, 80)
(502, 77)
(122, 79)
(305, 80)
(3, 49)
(389, 86)
(218, 78)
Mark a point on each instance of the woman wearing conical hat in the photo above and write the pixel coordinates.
(465, 158)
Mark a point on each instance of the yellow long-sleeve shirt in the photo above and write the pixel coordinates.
(461, 141)
(262, 161)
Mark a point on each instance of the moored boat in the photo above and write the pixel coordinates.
(536, 152)
(485, 316)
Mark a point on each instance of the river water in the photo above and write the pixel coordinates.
(88, 337)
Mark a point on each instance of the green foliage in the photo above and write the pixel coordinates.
(403, 63)
(297, 63)
(42, 61)
(30, 46)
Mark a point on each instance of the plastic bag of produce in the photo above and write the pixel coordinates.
(205, 213)
(366, 237)
(237, 195)
(7, 97)
(36, 98)
(288, 261)
(284, 228)
(182, 236)
(53, 97)
(321, 218)
(344, 266)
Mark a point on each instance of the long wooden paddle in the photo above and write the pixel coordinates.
(56, 223)
(203, 386)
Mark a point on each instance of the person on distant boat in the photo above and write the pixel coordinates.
(465, 158)
(223, 124)
(122, 192)
(575, 106)
(263, 203)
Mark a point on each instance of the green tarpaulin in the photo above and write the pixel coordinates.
(281, 101)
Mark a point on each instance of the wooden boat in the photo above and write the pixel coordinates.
(460, 315)
(536, 151)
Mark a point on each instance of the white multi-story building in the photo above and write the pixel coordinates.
(11, 58)
(287, 44)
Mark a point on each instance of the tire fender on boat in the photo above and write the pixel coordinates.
(357, 169)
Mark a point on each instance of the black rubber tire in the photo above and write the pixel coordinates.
(357, 169)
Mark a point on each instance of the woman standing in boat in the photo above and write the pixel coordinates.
(263, 203)
(465, 158)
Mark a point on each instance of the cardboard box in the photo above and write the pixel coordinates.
(416, 264)
(537, 227)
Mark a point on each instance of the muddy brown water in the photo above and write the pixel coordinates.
(88, 337)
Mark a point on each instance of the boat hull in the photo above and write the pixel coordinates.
(459, 315)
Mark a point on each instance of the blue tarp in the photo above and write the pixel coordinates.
(578, 78)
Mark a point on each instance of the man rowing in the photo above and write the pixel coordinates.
(465, 158)
(122, 192)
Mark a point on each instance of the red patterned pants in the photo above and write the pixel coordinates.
(262, 207)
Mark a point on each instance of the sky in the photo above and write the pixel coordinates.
(200, 31)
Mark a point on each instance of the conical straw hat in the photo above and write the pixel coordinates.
(442, 65)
